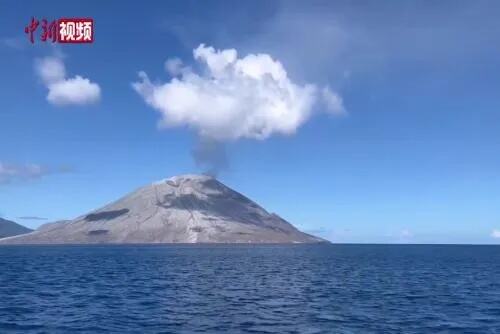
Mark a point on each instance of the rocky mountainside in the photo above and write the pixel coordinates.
(9, 228)
(182, 209)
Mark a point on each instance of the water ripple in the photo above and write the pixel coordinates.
(250, 289)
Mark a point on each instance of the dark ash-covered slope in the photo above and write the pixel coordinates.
(182, 209)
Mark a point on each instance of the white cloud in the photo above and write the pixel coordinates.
(12, 172)
(50, 69)
(76, 90)
(62, 90)
(495, 234)
(232, 98)
(9, 172)
(174, 66)
(333, 101)
(406, 233)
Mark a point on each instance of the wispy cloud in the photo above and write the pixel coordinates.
(10, 173)
(64, 91)
(495, 234)
(406, 233)
(32, 218)
(17, 43)
(339, 41)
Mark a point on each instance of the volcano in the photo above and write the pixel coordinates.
(9, 228)
(182, 209)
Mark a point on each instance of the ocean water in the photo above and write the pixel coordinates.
(250, 289)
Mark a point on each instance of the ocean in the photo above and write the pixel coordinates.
(250, 289)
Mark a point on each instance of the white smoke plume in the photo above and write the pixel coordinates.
(211, 156)
(224, 98)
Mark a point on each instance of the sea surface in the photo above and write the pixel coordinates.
(250, 289)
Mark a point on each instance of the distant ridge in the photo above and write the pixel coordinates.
(9, 228)
(182, 209)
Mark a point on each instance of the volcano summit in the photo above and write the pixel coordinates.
(182, 209)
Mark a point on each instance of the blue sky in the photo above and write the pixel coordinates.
(414, 157)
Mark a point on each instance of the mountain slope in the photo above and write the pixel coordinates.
(9, 228)
(182, 209)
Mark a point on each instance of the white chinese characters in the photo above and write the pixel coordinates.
(76, 31)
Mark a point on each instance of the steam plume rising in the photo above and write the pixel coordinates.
(210, 156)
(228, 98)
